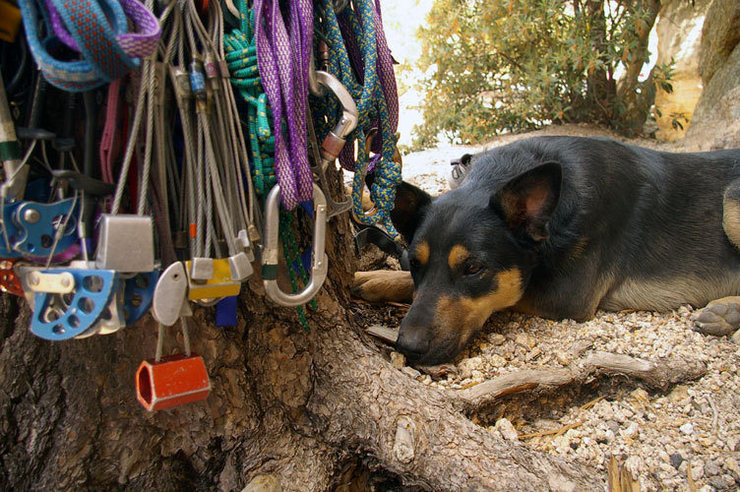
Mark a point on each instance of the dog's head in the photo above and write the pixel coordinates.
(471, 253)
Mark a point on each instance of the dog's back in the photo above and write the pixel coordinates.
(638, 228)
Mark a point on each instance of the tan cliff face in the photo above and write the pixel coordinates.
(716, 119)
(679, 31)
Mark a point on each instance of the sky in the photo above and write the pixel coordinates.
(401, 20)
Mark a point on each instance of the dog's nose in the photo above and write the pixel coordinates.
(412, 341)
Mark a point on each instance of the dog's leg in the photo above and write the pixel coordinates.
(384, 286)
(720, 317)
(731, 212)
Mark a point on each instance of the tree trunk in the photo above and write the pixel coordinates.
(601, 90)
(636, 103)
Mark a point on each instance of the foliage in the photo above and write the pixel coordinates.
(514, 65)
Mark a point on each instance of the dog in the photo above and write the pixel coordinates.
(560, 227)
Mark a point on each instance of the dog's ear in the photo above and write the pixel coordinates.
(409, 208)
(527, 202)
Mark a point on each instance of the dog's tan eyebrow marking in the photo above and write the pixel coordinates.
(458, 254)
(422, 252)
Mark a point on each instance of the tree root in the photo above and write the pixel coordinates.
(426, 438)
(659, 374)
(418, 433)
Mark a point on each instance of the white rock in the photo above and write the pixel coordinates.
(497, 339)
(525, 340)
(687, 428)
(697, 469)
(467, 366)
(630, 432)
(497, 361)
(731, 465)
(507, 430)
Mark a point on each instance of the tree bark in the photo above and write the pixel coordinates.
(636, 103)
(601, 90)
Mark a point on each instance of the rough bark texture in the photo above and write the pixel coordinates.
(636, 104)
(601, 88)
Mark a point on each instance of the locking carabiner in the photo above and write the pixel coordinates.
(335, 139)
(270, 253)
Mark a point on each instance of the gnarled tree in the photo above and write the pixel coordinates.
(516, 65)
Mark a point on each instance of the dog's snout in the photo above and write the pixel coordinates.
(412, 341)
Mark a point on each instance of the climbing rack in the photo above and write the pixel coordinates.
(154, 153)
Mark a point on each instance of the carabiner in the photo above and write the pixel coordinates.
(270, 253)
(335, 139)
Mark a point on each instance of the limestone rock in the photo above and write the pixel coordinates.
(716, 121)
(720, 35)
(679, 30)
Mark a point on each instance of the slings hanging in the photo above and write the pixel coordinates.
(204, 147)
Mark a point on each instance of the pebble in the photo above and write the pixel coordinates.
(467, 366)
(497, 361)
(664, 431)
(563, 358)
(630, 432)
(398, 361)
(507, 430)
(731, 465)
(711, 468)
(525, 340)
(687, 428)
(676, 460)
(697, 469)
(497, 339)
(721, 482)
(411, 372)
(532, 354)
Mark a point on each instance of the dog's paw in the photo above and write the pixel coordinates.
(720, 317)
(383, 286)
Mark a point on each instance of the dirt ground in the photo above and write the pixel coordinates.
(685, 438)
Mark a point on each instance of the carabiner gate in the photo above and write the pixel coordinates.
(270, 253)
(335, 139)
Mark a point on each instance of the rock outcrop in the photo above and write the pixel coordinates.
(716, 120)
(679, 31)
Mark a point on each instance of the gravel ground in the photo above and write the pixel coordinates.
(686, 439)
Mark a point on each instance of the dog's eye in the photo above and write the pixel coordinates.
(473, 267)
(414, 263)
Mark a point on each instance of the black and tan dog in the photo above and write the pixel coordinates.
(560, 227)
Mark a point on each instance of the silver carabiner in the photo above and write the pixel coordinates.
(270, 252)
(335, 139)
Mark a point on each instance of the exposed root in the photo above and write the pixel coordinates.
(659, 374)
